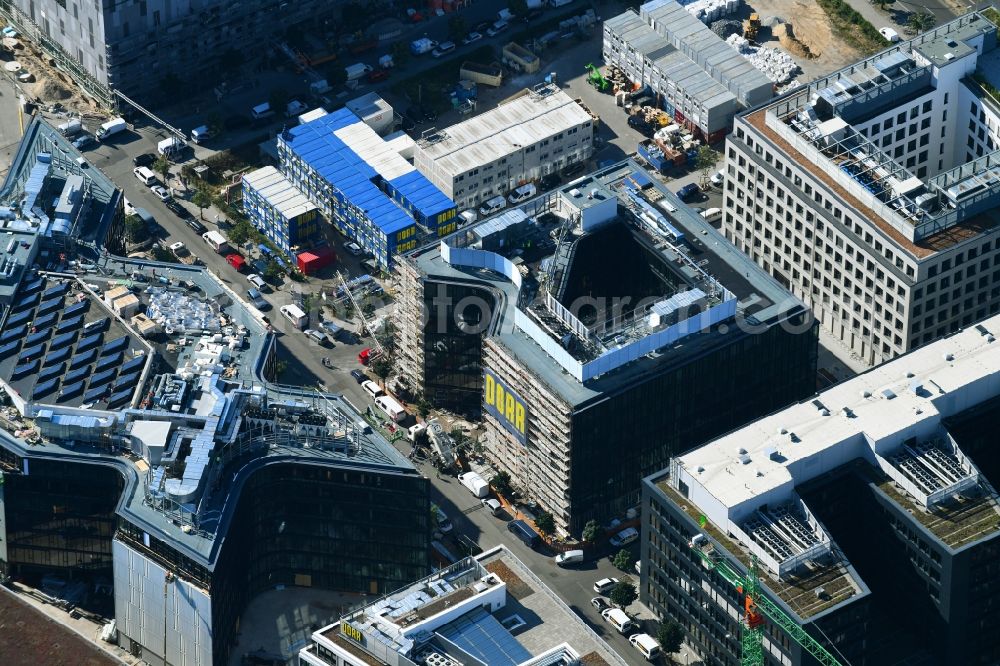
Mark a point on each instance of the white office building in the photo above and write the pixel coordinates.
(535, 134)
(872, 194)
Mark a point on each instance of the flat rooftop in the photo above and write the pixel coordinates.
(891, 416)
(814, 127)
(530, 118)
(693, 252)
(509, 618)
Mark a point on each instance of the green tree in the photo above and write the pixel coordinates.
(518, 7)
(921, 21)
(501, 483)
(670, 636)
(162, 167)
(881, 4)
(272, 270)
(135, 230)
(163, 254)
(622, 559)
(241, 232)
(278, 99)
(590, 530)
(706, 161)
(381, 366)
(400, 53)
(423, 407)
(623, 594)
(457, 28)
(202, 200)
(545, 523)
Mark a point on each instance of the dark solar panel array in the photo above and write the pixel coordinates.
(133, 365)
(45, 387)
(70, 324)
(109, 361)
(70, 390)
(115, 345)
(25, 369)
(103, 377)
(15, 333)
(41, 314)
(51, 371)
(58, 356)
(86, 358)
(61, 341)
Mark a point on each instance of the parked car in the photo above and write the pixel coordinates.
(198, 227)
(533, 15)
(549, 182)
(483, 26)
(378, 75)
(718, 178)
(178, 210)
(600, 603)
(162, 193)
(604, 585)
(358, 376)
(318, 336)
(443, 48)
(522, 193)
(257, 299)
(84, 141)
(472, 37)
(353, 249)
(492, 505)
(574, 169)
(494, 205)
(497, 28)
(625, 537)
(687, 192)
(143, 160)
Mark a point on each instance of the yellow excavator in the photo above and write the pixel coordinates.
(751, 26)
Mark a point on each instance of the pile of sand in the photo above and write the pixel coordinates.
(789, 42)
(50, 90)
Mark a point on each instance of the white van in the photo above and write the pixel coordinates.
(569, 557)
(522, 193)
(371, 388)
(617, 618)
(645, 644)
(145, 176)
(294, 314)
(391, 407)
(261, 111)
(712, 214)
(494, 205)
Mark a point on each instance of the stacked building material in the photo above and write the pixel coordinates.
(774, 63)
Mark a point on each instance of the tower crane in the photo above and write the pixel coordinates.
(757, 608)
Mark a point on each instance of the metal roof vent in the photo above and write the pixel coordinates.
(866, 394)
(909, 375)
(782, 431)
(741, 450)
(744, 459)
(888, 394)
(949, 357)
(824, 411)
(699, 469)
(848, 412)
(758, 472)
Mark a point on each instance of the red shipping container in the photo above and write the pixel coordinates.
(315, 259)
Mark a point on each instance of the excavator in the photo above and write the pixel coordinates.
(751, 26)
(595, 79)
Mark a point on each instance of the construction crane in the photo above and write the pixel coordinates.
(757, 607)
(364, 320)
(595, 79)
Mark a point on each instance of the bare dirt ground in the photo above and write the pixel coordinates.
(49, 86)
(811, 29)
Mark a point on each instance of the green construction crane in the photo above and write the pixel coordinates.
(595, 79)
(756, 607)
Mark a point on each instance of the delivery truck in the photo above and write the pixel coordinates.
(422, 45)
(216, 241)
(71, 128)
(110, 128)
(476, 484)
(170, 147)
(391, 407)
(357, 71)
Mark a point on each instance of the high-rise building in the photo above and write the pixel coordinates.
(600, 330)
(148, 48)
(872, 193)
(869, 510)
(540, 132)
